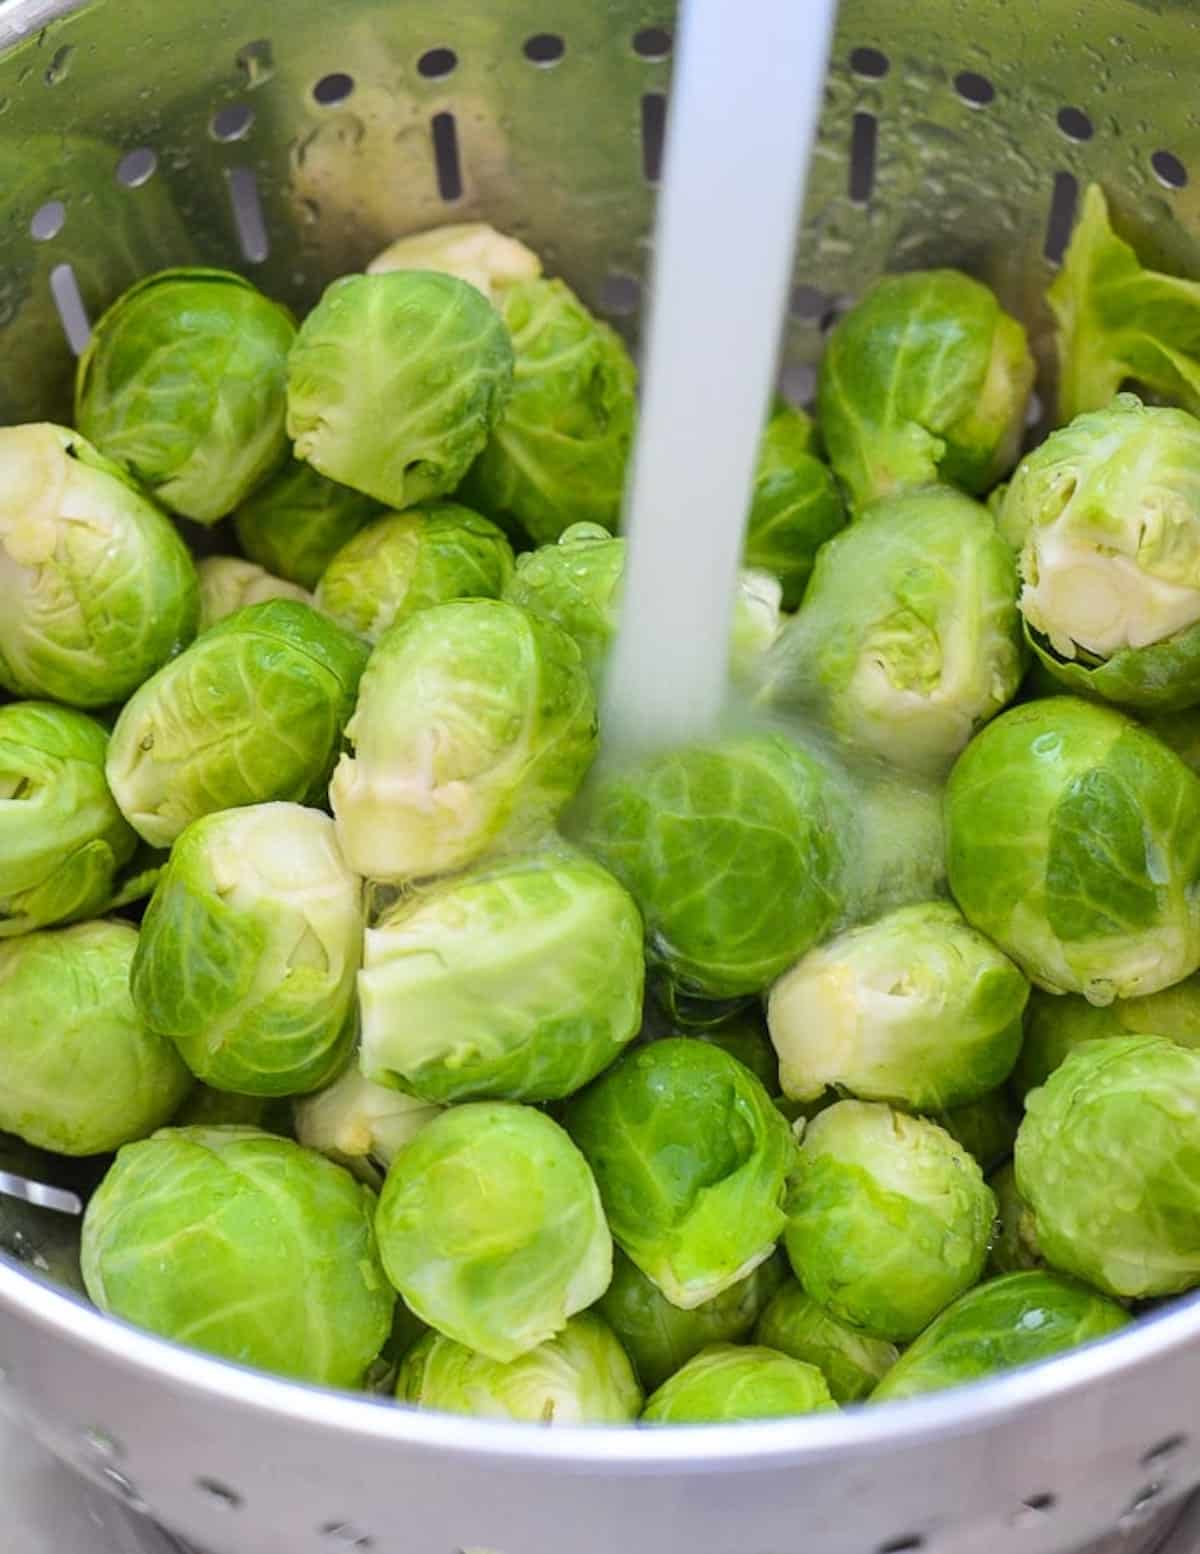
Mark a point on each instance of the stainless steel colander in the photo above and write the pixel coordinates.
(292, 139)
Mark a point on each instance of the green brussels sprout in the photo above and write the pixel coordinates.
(1108, 1160)
(208, 1108)
(491, 1228)
(1055, 1024)
(229, 583)
(470, 250)
(737, 854)
(252, 711)
(63, 841)
(576, 583)
(1119, 322)
(244, 1245)
(851, 1363)
(916, 1008)
(1106, 517)
(580, 1376)
(691, 1159)
(249, 949)
(183, 385)
(909, 637)
(725, 1383)
(1179, 731)
(474, 726)
(1014, 1320)
(986, 1128)
(395, 381)
(297, 522)
(557, 454)
(1073, 841)
(1014, 1242)
(520, 980)
(98, 588)
(82, 1073)
(795, 505)
(889, 1218)
(405, 562)
(744, 1036)
(360, 1125)
(659, 1337)
(925, 379)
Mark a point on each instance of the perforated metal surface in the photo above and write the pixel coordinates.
(291, 139)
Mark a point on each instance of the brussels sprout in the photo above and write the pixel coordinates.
(1106, 516)
(296, 523)
(795, 505)
(1107, 1159)
(916, 1008)
(1073, 841)
(82, 1073)
(902, 842)
(252, 711)
(659, 1337)
(470, 250)
(208, 1108)
(1179, 731)
(737, 854)
(361, 1125)
(1014, 1243)
(1015, 1320)
(491, 1228)
(229, 583)
(97, 590)
(405, 562)
(744, 1036)
(183, 384)
(474, 726)
(249, 950)
(691, 1159)
(888, 1218)
(576, 583)
(62, 838)
(395, 381)
(727, 1382)
(557, 454)
(851, 1363)
(908, 638)
(244, 1245)
(986, 1128)
(580, 1376)
(925, 379)
(1119, 322)
(521, 980)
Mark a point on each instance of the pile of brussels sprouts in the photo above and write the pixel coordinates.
(850, 1054)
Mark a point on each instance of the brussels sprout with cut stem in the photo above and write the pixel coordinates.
(474, 726)
(244, 1245)
(888, 1218)
(405, 562)
(581, 1376)
(1073, 839)
(249, 950)
(97, 589)
(491, 1228)
(470, 250)
(395, 381)
(360, 1125)
(729, 1382)
(795, 505)
(297, 522)
(230, 583)
(925, 379)
(519, 980)
(183, 384)
(691, 1158)
(916, 1008)
(253, 711)
(908, 638)
(1014, 1320)
(851, 1362)
(82, 1072)
(63, 841)
(1107, 1160)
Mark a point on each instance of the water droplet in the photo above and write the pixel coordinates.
(59, 67)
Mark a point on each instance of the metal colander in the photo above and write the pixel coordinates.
(291, 139)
